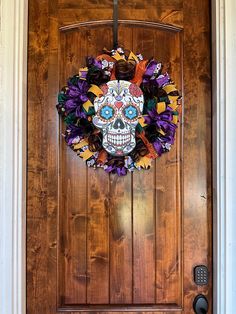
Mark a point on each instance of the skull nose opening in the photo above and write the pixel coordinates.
(118, 97)
(119, 124)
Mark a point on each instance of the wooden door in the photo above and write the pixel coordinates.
(99, 242)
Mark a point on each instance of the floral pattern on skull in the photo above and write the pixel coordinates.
(117, 114)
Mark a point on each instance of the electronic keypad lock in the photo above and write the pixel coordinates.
(201, 275)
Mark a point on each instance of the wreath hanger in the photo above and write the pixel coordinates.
(115, 24)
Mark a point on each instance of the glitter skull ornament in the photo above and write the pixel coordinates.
(117, 112)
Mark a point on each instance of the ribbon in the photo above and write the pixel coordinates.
(163, 79)
(139, 72)
(86, 154)
(141, 121)
(152, 152)
(144, 162)
(102, 157)
(87, 105)
(81, 144)
(161, 106)
(163, 120)
(72, 132)
(83, 72)
(169, 88)
(105, 57)
(95, 90)
(121, 171)
(133, 58)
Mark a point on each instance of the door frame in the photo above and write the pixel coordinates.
(224, 151)
(13, 67)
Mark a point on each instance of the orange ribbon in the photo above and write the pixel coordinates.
(139, 71)
(102, 157)
(105, 57)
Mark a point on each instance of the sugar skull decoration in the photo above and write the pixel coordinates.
(117, 114)
(121, 111)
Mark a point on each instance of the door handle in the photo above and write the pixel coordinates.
(200, 304)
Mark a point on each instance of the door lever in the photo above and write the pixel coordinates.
(200, 304)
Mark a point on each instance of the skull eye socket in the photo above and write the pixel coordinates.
(131, 112)
(106, 112)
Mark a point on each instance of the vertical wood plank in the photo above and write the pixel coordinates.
(143, 281)
(98, 263)
(125, 36)
(98, 237)
(121, 271)
(41, 198)
(197, 214)
(168, 230)
(169, 189)
(72, 191)
(73, 221)
(144, 206)
(144, 237)
(51, 79)
(120, 240)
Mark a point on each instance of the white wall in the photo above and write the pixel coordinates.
(13, 35)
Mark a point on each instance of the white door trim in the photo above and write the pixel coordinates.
(224, 154)
(13, 70)
(13, 67)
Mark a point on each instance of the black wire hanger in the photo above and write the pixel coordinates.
(115, 24)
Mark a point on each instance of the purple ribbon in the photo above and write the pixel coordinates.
(163, 79)
(149, 71)
(78, 95)
(121, 171)
(158, 147)
(72, 132)
(161, 120)
(79, 90)
(94, 62)
(70, 105)
(83, 74)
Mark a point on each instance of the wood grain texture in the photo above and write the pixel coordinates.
(97, 242)
(197, 213)
(73, 217)
(42, 161)
(121, 257)
(98, 238)
(144, 237)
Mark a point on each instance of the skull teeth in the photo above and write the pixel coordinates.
(118, 139)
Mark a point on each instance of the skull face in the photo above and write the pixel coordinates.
(117, 113)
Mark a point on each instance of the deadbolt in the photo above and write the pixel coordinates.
(200, 304)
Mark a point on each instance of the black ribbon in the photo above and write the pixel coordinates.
(115, 24)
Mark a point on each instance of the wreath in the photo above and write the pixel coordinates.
(121, 111)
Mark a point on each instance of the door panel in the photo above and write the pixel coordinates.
(98, 242)
(114, 249)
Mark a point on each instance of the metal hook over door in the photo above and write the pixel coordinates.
(115, 24)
